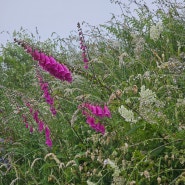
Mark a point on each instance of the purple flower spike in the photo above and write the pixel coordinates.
(31, 129)
(36, 55)
(41, 126)
(107, 112)
(42, 59)
(99, 111)
(83, 47)
(47, 132)
(93, 109)
(92, 112)
(35, 116)
(26, 125)
(28, 49)
(91, 122)
(49, 142)
(48, 139)
(45, 88)
(100, 128)
(53, 111)
(48, 63)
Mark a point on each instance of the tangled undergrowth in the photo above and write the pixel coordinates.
(101, 107)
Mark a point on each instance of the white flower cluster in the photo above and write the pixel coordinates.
(117, 179)
(180, 102)
(139, 46)
(138, 42)
(90, 183)
(121, 59)
(155, 31)
(150, 106)
(147, 96)
(127, 114)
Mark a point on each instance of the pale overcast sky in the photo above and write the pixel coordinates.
(60, 16)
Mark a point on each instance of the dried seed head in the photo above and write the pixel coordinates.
(118, 92)
(158, 180)
(132, 182)
(166, 157)
(146, 174)
(173, 157)
(94, 171)
(92, 156)
(135, 89)
(80, 168)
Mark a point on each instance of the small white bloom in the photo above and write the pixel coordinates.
(121, 59)
(155, 31)
(127, 114)
(147, 96)
(105, 162)
(111, 163)
(90, 183)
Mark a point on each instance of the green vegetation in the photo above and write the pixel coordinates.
(136, 67)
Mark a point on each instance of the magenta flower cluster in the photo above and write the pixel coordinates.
(92, 112)
(48, 63)
(26, 123)
(44, 87)
(35, 115)
(48, 137)
(40, 123)
(83, 47)
(97, 110)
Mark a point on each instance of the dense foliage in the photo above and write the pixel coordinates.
(120, 121)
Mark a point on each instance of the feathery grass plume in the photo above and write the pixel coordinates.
(83, 47)
(33, 163)
(53, 156)
(90, 183)
(48, 63)
(115, 167)
(14, 181)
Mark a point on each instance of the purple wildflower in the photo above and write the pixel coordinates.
(91, 112)
(49, 142)
(100, 128)
(91, 122)
(44, 86)
(41, 126)
(97, 110)
(48, 63)
(35, 116)
(56, 69)
(107, 112)
(47, 132)
(31, 129)
(83, 47)
(48, 139)
(26, 125)
(96, 126)
(53, 110)
(25, 121)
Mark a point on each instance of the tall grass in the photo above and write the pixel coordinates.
(135, 68)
